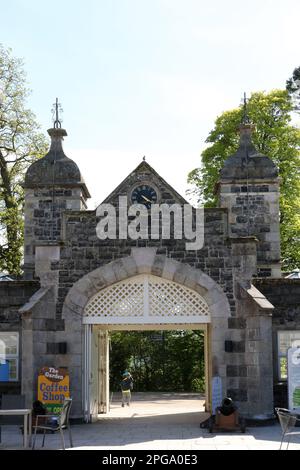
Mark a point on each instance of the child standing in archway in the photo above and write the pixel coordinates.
(126, 387)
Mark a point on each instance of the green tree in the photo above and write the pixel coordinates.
(293, 88)
(20, 145)
(275, 137)
(159, 360)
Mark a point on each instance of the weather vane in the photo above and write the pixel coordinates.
(56, 109)
(245, 118)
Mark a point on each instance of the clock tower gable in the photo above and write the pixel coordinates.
(145, 186)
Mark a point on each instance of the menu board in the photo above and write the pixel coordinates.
(294, 378)
(53, 387)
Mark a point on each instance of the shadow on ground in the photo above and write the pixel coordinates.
(155, 421)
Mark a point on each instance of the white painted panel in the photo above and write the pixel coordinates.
(146, 299)
(86, 371)
(93, 380)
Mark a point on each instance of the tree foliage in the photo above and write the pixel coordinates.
(159, 360)
(275, 137)
(293, 88)
(20, 145)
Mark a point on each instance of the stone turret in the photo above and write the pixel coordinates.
(249, 189)
(52, 185)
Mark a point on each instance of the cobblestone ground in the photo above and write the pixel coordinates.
(155, 422)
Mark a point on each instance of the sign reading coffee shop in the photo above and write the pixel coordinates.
(53, 387)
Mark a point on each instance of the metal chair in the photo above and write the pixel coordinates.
(55, 426)
(288, 421)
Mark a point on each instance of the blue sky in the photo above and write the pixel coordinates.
(147, 77)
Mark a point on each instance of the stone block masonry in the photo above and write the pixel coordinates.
(240, 242)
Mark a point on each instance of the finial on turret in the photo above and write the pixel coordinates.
(55, 112)
(246, 127)
(144, 158)
(245, 118)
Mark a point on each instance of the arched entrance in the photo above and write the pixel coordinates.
(141, 291)
(142, 302)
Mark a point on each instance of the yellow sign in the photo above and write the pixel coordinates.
(53, 387)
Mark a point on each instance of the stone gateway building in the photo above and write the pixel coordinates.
(77, 287)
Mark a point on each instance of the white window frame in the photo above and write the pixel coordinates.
(291, 343)
(11, 356)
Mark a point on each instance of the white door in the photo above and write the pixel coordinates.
(94, 383)
(95, 373)
(103, 372)
(86, 371)
(90, 373)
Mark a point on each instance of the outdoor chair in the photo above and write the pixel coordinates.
(288, 421)
(55, 423)
(11, 402)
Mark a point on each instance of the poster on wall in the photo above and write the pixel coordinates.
(294, 378)
(216, 393)
(4, 371)
(53, 387)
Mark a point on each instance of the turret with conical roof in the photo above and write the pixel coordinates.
(247, 162)
(52, 185)
(249, 188)
(55, 168)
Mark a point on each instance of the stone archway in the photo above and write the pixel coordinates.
(143, 261)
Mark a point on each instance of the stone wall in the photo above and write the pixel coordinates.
(254, 211)
(83, 252)
(285, 296)
(226, 258)
(226, 261)
(249, 375)
(13, 294)
(44, 209)
(141, 261)
(39, 339)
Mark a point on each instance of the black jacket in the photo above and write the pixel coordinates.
(127, 384)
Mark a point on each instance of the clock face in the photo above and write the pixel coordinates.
(144, 194)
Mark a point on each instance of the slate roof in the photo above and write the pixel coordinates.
(55, 168)
(247, 162)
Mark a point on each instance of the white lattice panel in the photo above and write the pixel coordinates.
(146, 299)
(168, 299)
(119, 300)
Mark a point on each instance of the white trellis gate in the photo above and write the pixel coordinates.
(140, 302)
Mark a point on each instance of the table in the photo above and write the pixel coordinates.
(27, 419)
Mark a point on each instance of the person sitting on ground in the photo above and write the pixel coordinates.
(126, 387)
